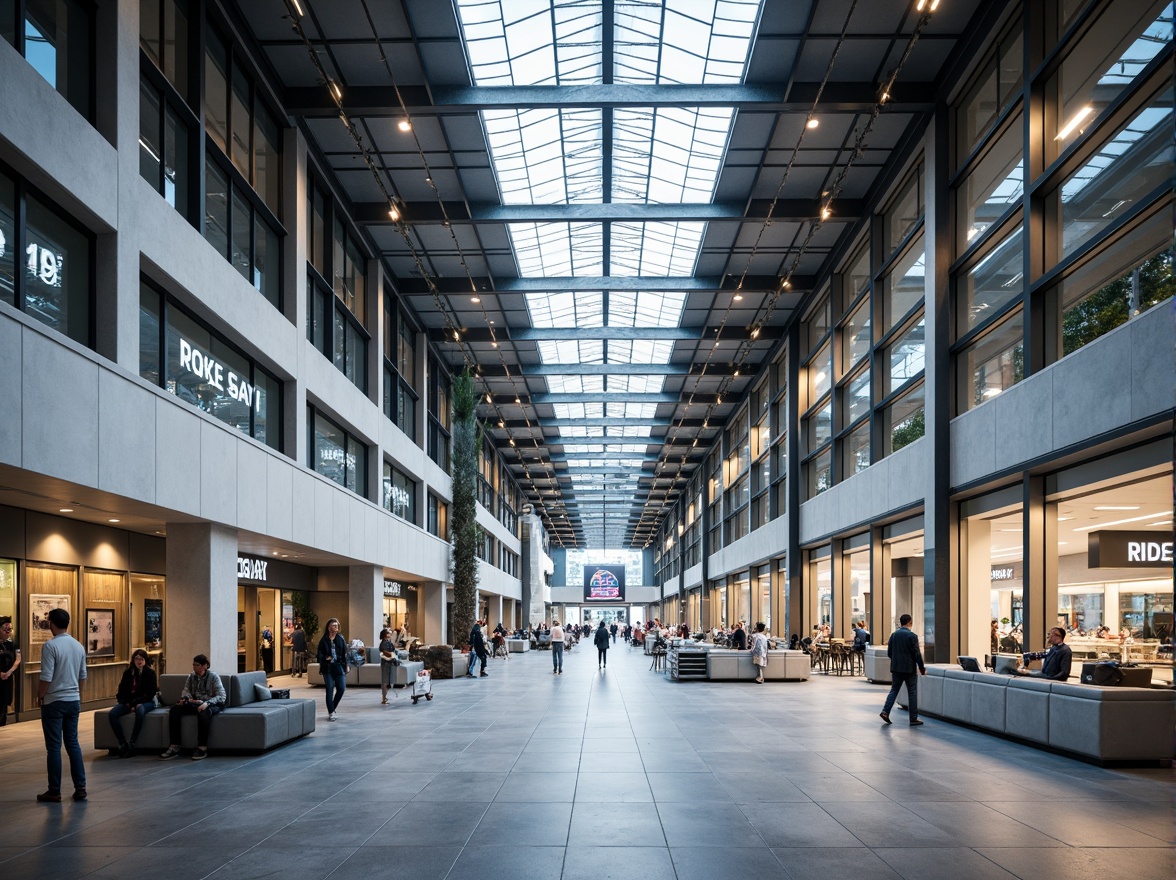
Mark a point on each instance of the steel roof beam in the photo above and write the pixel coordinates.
(428, 213)
(752, 284)
(492, 371)
(556, 334)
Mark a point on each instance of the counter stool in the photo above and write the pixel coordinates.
(659, 660)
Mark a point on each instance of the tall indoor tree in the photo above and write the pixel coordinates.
(465, 532)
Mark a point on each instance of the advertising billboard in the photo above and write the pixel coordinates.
(604, 583)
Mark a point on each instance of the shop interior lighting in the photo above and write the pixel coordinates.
(1117, 507)
(1117, 522)
(114, 520)
(1075, 121)
(66, 510)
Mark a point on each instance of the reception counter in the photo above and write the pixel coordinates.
(1104, 723)
(783, 665)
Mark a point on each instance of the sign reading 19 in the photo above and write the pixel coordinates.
(44, 265)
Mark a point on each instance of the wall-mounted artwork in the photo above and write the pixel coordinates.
(40, 604)
(99, 632)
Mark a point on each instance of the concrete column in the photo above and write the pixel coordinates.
(976, 598)
(201, 606)
(497, 614)
(365, 602)
(430, 622)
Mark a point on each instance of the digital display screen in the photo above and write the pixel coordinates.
(604, 583)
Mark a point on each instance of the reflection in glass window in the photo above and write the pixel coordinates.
(993, 364)
(149, 335)
(819, 427)
(818, 473)
(903, 287)
(56, 39)
(906, 211)
(819, 375)
(991, 284)
(903, 421)
(163, 34)
(399, 493)
(855, 336)
(57, 283)
(1125, 170)
(1114, 51)
(998, 83)
(216, 208)
(904, 358)
(857, 397)
(993, 187)
(336, 454)
(856, 451)
(8, 239)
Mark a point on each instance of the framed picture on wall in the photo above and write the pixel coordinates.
(40, 604)
(99, 632)
(153, 623)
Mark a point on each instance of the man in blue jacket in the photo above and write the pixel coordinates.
(905, 658)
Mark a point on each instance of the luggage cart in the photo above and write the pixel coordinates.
(422, 686)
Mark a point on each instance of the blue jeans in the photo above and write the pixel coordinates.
(117, 713)
(897, 679)
(557, 650)
(59, 721)
(336, 684)
(473, 658)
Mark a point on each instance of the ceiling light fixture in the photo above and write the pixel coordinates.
(404, 125)
(114, 520)
(475, 299)
(812, 123)
(297, 8)
(335, 90)
(66, 510)
(1075, 121)
(394, 213)
(1117, 522)
(1117, 507)
(738, 297)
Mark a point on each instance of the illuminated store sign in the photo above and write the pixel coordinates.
(391, 588)
(1115, 549)
(251, 569)
(1003, 574)
(212, 372)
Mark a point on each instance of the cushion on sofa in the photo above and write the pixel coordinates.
(171, 686)
(262, 693)
(239, 687)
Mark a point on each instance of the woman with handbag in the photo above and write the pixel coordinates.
(332, 658)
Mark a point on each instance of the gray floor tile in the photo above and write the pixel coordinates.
(417, 862)
(615, 825)
(891, 826)
(480, 862)
(1087, 863)
(618, 863)
(929, 863)
(795, 825)
(526, 788)
(815, 861)
(612, 788)
(1077, 823)
(708, 863)
(686, 787)
(431, 824)
(507, 824)
(707, 824)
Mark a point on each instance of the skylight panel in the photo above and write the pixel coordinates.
(640, 351)
(668, 155)
(632, 410)
(572, 351)
(578, 410)
(683, 41)
(566, 309)
(532, 42)
(558, 249)
(636, 384)
(658, 249)
(575, 384)
(546, 156)
(645, 309)
(580, 449)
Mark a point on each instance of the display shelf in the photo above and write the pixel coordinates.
(687, 664)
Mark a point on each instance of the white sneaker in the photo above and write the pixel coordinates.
(332, 717)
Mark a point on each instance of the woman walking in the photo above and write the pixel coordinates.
(601, 641)
(387, 661)
(759, 652)
(332, 658)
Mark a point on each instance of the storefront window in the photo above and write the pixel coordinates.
(822, 571)
(992, 589)
(763, 578)
(336, 454)
(859, 586)
(906, 587)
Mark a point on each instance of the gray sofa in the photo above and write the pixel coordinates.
(783, 665)
(247, 724)
(368, 674)
(1105, 723)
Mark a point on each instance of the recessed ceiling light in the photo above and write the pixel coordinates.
(1165, 523)
(813, 123)
(114, 520)
(404, 125)
(65, 510)
(1117, 507)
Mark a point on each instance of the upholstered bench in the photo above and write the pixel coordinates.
(783, 665)
(246, 724)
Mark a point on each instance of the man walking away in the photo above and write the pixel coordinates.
(905, 658)
(557, 648)
(613, 630)
(59, 694)
(601, 641)
(478, 649)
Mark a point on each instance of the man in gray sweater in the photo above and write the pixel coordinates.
(59, 694)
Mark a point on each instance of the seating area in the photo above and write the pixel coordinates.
(368, 674)
(783, 665)
(1103, 723)
(249, 723)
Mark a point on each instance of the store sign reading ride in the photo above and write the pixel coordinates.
(1115, 549)
(251, 569)
(212, 372)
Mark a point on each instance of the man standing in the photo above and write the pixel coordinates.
(59, 693)
(613, 630)
(298, 649)
(1055, 662)
(905, 658)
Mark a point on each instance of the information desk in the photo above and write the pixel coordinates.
(1104, 723)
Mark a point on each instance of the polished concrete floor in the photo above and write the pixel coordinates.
(621, 774)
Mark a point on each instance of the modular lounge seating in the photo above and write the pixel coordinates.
(1103, 723)
(783, 665)
(246, 724)
(877, 664)
(518, 646)
(368, 674)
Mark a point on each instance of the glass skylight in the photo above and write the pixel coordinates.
(645, 309)
(584, 431)
(558, 249)
(545, 156)
(683, 41)
(598, 449)
(578, 410)
(571, 351)
(635, 384)
(575, 384)
(566, 309)
(632, 410)
(597, 460)
(668, 155)
(660, 249)
(639, 351)
(533, 42)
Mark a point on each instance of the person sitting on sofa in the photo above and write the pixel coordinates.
(1055, 662)
(136, 693)
(203, 696)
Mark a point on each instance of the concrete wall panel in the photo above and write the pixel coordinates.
(177, 456)
(303, 494)
(218, 473)
(126, 437)
(973, 444)
(279, 497)
(1023, 421)
(252, 488)
(1152, 341)
(61, 418)
(1091, 394)
(11, 354)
